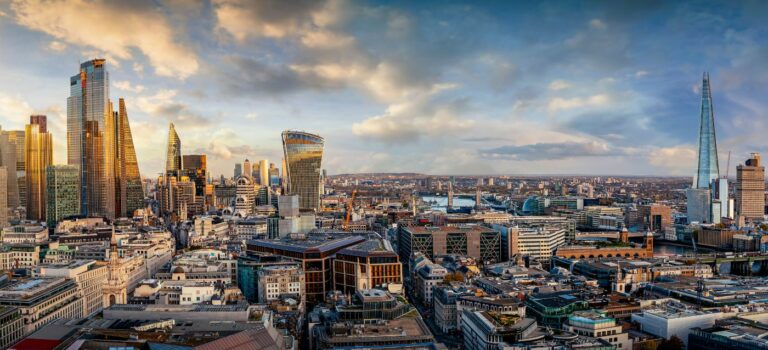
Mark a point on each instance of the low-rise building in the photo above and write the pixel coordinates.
(491, 330)
(598, 325)
(11, 326)
(89, 276)
(42, 300)
(674, 319)
(280, 280)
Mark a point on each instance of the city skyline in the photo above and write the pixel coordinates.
(602, 92)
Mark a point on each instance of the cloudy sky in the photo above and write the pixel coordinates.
(440, 88)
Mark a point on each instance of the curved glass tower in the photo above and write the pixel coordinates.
(173, 155)
(708, 169)
(303, 155)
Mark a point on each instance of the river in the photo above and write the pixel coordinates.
(441, 202)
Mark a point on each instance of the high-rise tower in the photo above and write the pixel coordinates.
(303, 155)
(173, 154)
(708, 169)
(87, 105)
(8, 160)
(38, 149)
(129, 179)
(750, 188)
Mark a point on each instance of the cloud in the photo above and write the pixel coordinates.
(640, 74)
(270, 18)
(57, 46)
(553, 151)
(113, 27)
(13, 108)
(597, 24)
(425, 115)
(556, 85)
(126, 86)
(676, 160)
(164, 104)
(558, 103)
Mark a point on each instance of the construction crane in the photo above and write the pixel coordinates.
(349, 210)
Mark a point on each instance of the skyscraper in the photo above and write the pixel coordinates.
(173, 154)
(38, 149)
(699, 196)
(87, 105)
(238, 170)
(303, 156)
(16, 137)
(63, 193)
(708, 169)
(750, 188)
(195, 167)
(247, 170)
(8, 160)
(130, 179)
(3, 198)
(264, 172)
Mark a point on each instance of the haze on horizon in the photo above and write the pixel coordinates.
(429, 87)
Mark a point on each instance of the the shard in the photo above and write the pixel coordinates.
(707, 170)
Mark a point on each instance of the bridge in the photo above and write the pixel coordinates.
(746, 264)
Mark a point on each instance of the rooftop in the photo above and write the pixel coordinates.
(321, 242)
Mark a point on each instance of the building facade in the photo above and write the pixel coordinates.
(38, 152)
(63, 193)
(303, 156)
(750, 188)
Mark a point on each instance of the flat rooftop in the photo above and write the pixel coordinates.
(321, 241)
(424, 230)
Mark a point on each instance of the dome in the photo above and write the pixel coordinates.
(178, 269)
(530, 204)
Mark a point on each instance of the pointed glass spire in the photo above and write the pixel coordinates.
(173, 155)
(708, 169)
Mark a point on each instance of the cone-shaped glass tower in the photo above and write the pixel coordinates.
(708, 169)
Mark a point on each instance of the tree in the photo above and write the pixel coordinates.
(673, 343)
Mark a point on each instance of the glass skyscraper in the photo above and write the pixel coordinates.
(38, 150)
(87, 107)
(303, 155)
(173, 153)
(124, 193)
(708, 169)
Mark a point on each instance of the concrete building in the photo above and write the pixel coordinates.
(314, 251)
(484, 330)
(370, 264)
(401, 333)
(43, 300)
(538, 243)
(598, 325)
(475, 241)
(194, 312)
(655, 217)
(427, 275)
(280, 280)
(11, 326)
(63, 193)
(750, 189)
(89, 276)
(674, 319)
(25, 233)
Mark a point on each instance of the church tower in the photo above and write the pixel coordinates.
(116, 289)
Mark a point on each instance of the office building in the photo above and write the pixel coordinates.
(699, 196)
(238, 170)
(8, 160)
(38, 152)
(314, 252)
(597, 325)
(539, 243)
(280, 280)
(11, 326)
(491, 330)
(264, 172)
(63, 193)
(303, 156)
(89, 276)
(195, 166)
(3, 196)
(708, 169)
(656, 217)
(475, 241)
(274, 175)
(247, 169)
(674, 319)
(43, 300)
(750, 188)
(87, 106)
(245, 196)
(173, 159)
(370, 264)
(128, 192)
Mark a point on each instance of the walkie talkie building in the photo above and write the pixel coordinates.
(303, 155)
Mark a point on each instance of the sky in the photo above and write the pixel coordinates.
(442, 87)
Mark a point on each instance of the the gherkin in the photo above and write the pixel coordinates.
(707, 169)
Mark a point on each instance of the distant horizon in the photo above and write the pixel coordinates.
(552, 88)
